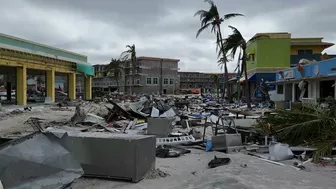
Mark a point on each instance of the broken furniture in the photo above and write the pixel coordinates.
(227, 142)
(223, 138)
(111, 155)
(160, 126)
(175, 140)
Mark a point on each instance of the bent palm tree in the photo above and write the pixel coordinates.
(215, 80)
(236, 42)
(115, 67)
(213, 19)
(130, 53)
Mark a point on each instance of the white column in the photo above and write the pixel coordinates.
(317, 85)
(293, 92)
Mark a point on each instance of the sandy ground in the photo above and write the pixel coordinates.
(14, 124)
(190, 171)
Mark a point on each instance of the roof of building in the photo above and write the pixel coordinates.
(277, 35)
(312, 44)
(25, 46)
(96, 65)
(37, 48)
(156, 58)
(204, 72)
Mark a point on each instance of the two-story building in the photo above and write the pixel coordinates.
(268, 55)
(308, 48)
(150, 75)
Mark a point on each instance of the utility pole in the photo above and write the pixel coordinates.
(161, 80)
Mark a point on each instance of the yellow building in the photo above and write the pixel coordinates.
(20, 58)
(308, 48)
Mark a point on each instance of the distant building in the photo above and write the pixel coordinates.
(200, 80)
(103, 81)
(149, 72)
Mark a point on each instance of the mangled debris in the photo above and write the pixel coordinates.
(102, 136)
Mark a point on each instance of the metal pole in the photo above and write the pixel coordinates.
(161, 80)
(238, 87)
(223, 88)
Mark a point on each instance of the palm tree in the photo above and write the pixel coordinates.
(114, 67)
(130, 53)
(236, 42)
(215, 80)
(213, 19)
(222, 63)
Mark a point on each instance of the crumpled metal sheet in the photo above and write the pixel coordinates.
(37, 161)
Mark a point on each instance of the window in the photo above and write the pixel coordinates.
(149, 81)
(138, 81)
(165, 81)
(252, 57)
(171, 81)
(305, 52)
(155, 81)
(280, 89)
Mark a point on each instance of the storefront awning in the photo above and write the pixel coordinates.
(85, 68)
(331, 76)
(250, 77)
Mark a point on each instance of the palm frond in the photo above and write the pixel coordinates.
(201, 13)
(309, 125)
(210, 2)
(199, 31)
(258, 37)
(130, 53)
(231, 15)
(238, 63)
(218, 44)
(222, 61)
(234, 41)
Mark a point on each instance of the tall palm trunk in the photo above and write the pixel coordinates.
(131, 79)
(247, 86)
(226, 75)
(133, 73)
(117, 85)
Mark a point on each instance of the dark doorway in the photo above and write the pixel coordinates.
(164, 91)
(327, 88)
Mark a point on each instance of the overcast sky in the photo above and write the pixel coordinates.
(101, 29)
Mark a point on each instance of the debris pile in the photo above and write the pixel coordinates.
(156, 173)
(103, 134)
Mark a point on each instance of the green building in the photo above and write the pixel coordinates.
(266, 56)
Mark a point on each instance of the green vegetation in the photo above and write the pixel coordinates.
(307, 125)
(130, 53)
